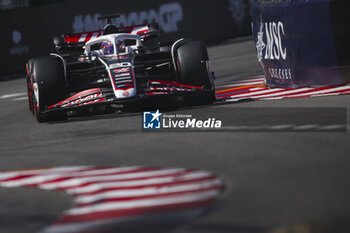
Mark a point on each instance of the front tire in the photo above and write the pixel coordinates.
(48, 88)
(29, 82)
(193, 68)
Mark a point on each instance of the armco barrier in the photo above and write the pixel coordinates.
(303, 42)
(28, 32)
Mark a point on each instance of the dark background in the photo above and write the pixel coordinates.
(27, 31)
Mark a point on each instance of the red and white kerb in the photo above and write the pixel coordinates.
(111, 194)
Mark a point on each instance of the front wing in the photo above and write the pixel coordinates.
(97, 96)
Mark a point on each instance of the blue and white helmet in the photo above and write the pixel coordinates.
(107, 48)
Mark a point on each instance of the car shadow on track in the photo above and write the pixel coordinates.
(119, 113)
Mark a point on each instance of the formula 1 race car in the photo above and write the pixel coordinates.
(116, 66)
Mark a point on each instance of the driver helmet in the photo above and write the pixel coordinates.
(107, 48)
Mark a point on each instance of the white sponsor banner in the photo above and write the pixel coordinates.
(167, 16)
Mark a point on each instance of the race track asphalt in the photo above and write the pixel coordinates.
(273, 178)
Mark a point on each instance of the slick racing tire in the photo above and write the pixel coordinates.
(29, 82)
(48, 88)
(192, 64)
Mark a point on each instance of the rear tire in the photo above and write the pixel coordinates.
(49, 80)
(193, 69)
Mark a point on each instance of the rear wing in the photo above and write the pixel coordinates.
(81, 38)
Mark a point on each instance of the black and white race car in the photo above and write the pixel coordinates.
(113, 66)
